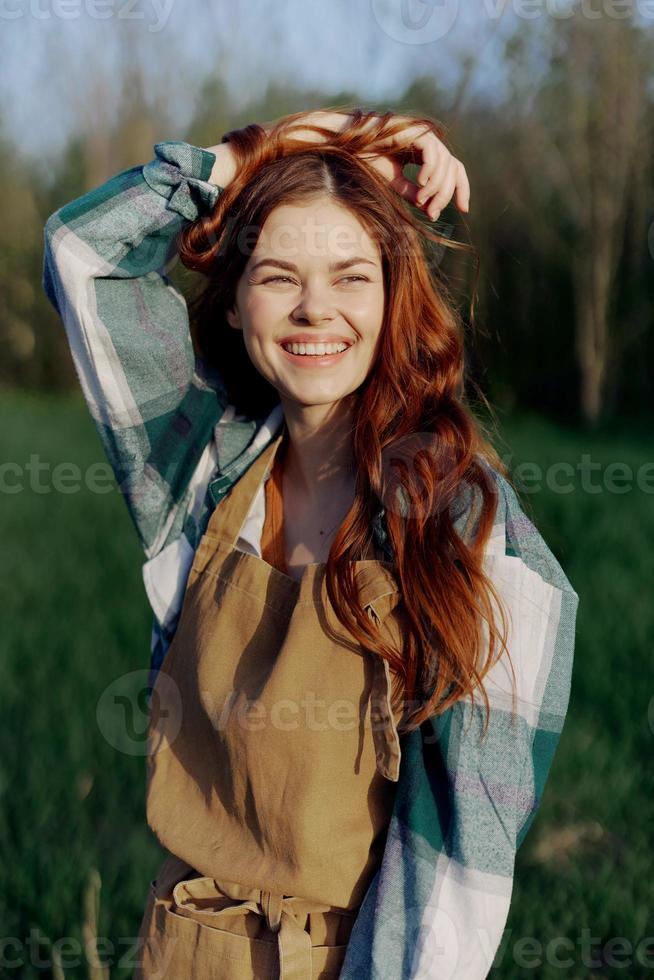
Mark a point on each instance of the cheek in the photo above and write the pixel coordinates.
(368, 311)
(263, 312)
(255, 307)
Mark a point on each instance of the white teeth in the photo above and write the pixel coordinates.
(316, 349)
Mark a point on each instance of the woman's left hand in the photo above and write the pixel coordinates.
(440, 175)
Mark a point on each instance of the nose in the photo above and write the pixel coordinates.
(315, 304)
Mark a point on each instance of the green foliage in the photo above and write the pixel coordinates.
(76, 618)
(527, 165)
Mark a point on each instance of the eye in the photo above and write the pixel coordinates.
(287, 279)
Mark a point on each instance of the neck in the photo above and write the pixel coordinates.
(318, 459)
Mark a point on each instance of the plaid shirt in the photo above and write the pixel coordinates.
(438, 904)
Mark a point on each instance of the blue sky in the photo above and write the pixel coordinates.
(53, 52)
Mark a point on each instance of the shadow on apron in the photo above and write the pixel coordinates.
(305, 805)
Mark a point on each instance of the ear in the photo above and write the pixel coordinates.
(234, 319)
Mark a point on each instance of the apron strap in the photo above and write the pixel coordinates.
(229, 515)
(375, 580)
(384, 727)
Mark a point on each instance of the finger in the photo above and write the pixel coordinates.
(393, 170)
(405, 188)
(462, 183)
(462, 189)
(441, 187)
(408, 189)
(436, 158)
(436, 174)
(444, 193)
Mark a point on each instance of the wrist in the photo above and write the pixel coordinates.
(224, 168)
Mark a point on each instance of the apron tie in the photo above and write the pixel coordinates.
(209, 902)
(388, 751)
(384, 728)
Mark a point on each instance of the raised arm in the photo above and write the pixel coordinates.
(105, 260)
(106, 254)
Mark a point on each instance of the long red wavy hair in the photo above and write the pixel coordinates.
(417, 445)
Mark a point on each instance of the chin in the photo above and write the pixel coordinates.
(316, 398)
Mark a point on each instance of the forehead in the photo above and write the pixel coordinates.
(319, 230)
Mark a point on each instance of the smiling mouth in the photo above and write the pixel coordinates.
(315, 350)
(314, 360)
(308, 355)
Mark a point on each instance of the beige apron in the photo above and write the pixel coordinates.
(272, 768)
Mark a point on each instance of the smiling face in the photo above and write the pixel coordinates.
(315, 277)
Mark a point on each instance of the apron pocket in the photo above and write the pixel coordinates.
(327, 961)
(177, 946)
(179, 942)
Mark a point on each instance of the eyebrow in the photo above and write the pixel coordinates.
(334, 266)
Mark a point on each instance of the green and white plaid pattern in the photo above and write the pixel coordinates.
(437, 906)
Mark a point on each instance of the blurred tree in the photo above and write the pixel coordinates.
(558, 153)
(20, 245)
(581, 142)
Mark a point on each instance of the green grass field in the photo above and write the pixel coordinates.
(73, 834)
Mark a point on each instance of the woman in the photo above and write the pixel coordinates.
(335, 558)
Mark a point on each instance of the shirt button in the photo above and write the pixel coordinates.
(221, 481)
